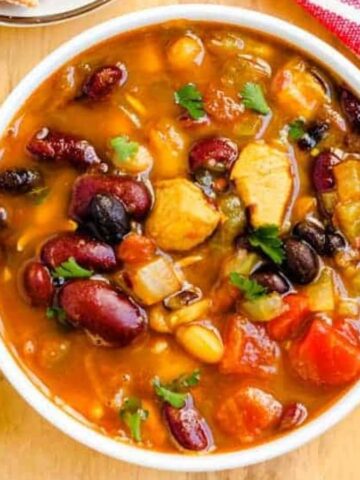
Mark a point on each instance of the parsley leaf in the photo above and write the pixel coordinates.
(124, 148)
(38, 194)
(267, 239)
(176, 399)
(71, 269)
(296, 129)
(191, 99)
(253, 98)
(132, 415)
(56, 313)
(186, 381)
(250, 288)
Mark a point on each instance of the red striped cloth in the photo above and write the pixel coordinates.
(341, 17)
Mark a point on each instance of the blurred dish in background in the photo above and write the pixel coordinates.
(39, 12)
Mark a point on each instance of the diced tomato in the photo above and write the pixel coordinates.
(288, 324)
(350, 329)
(248, 349)
(324, 357)
(249, 413)
(224, 297)
(221, 105)
(136, 249)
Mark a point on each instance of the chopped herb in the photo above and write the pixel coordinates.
(124, 148)
(56, 313)
(133, 414)
(250, 288)
(253, 98)
(39, 194)
(186, 381)
(267, 239)
(191, 99)
(176, 399)
(296, 129)
(71, 269)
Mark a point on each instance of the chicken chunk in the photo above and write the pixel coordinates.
(182, 217)
(298, 91)
(263, 179)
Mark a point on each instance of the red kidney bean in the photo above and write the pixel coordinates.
(134, 194)
(19, 180)
(103, 311)
(188, 427)
(293, 416)
(49, 145)
(88, 253)
(322, 175)
(215, 154)
(351, 107)
(103, 80)
(38, 284)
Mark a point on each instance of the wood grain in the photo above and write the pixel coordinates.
(30, 448)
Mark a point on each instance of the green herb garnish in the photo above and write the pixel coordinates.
(176, 399)
(267, 239)
(132, 415)
(191, 99)
(56, 313)
(124, 148)
(39, 194)
(296, 129)
(71, 269)
(186, 381)
(173, 392)
(250, 288)
(253, 98)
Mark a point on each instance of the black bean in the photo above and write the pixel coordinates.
(19, 180)
(314, 134)
(271, 279)
(108, 219)
(334, 243)
(301, 263)
(313, 234)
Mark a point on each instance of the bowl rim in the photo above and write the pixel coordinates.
(10, 366)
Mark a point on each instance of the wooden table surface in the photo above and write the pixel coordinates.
(30, 448)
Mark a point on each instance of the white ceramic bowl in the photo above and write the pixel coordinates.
(23, 382)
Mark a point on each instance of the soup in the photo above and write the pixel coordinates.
(180, 233)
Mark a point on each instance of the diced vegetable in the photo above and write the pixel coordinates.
(186, 52)
(324, 357)
(263, 179)
(264, 308)
(321, 294)
(304, 205)
(154, 281)
(347, 176)
(241, 262)
(248, 413)
(182, 217)
(248, 349)
(291, 321)
(348, 215)
(202, 341)
(136, 249)
(348, 307)
(168, 145)
(234, 222)
(350, 329)
(297, 91)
